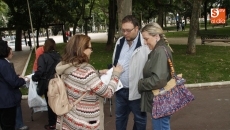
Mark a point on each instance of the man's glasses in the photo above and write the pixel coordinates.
(127, 30)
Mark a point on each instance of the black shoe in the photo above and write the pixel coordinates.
(50, 127)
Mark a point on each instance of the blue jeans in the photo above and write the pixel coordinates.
(161, 123)
(19, 119)
(123, 109)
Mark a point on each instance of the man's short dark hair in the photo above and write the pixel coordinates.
(132, 19)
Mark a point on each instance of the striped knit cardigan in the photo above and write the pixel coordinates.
(86, 114)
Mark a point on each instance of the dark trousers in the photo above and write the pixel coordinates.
(19, 119)
(52, 117)
(123, 109)
(7, 118)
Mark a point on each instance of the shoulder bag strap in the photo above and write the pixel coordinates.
(170, 63)
(62, 117)
(79, 99)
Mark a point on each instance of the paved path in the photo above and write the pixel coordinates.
(209, 111)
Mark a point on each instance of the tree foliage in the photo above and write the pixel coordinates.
(3, 15)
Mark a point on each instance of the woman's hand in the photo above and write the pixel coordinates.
(101, 72)
(118, 68)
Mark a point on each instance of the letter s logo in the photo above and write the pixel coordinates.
(214, 12)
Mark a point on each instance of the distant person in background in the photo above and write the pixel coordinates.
(39, 51)
(10, 95)
(19, 120)
(29, 44)
(177, 25)
(182, 25)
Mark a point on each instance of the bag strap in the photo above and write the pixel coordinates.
(79, 99)
(62, 117)
(172, 71)
(68, 71)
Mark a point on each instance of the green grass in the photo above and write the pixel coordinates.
(171, 31)
(210, 64)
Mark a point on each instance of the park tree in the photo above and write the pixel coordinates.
(3, 13)
(124, 7)
(144, 10)
(194, 23)
(87, 14)
(17, 19)
(41, 16)
(64, 15)
(77, 8)
(101, 14)
(112, 24)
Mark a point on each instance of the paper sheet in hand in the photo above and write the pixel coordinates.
(105, 78)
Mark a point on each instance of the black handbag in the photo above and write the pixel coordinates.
(42, 85)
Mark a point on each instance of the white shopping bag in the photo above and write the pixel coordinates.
(34, 100)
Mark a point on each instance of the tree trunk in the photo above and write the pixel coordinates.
(47, 33)
(18, 40)
(74, 28)
(112, 24)
(191, 46)
(160, 16)
(205, 14)
(63, 33)
(28, 32)
(24, 34)
(37, 36)
(124, 7)
(86, 25)
(165, 19)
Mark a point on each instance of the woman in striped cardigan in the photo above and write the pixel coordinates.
(83, 78)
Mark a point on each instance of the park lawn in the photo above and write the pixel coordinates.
(171, 32)
(209, 64)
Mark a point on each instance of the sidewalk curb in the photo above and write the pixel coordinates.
(27, 62)
(197, 85)
(209, 84)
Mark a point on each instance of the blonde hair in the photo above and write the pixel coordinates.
(154, 29)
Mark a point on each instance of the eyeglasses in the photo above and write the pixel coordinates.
(90, 48)
(127, 30)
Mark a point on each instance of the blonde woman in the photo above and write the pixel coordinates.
(156, 72)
